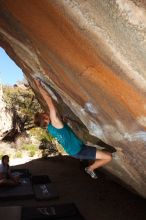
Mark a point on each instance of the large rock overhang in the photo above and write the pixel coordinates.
(92, 54)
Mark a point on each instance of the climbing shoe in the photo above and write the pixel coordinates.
(91, 173)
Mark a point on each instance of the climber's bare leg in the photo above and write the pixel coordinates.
(102, 158)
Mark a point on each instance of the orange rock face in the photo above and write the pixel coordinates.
(92, 53)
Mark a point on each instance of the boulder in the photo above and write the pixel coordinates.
(91, 57)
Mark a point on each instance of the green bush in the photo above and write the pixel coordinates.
(18, 154)
(32, 153)
(40, 134)
(29, 147)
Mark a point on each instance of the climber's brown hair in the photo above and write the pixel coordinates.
(41, 119)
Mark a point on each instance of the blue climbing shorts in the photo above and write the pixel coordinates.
(86, 153)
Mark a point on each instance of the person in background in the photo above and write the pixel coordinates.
(66, 137)
(6, 177)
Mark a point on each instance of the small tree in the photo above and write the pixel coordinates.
(21, 100)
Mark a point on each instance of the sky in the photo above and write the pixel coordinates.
(10, 73)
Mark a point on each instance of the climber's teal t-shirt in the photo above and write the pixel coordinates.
(66, 137)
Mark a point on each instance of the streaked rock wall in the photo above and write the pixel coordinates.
(92, 53)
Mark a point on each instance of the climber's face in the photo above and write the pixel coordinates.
(45, 119)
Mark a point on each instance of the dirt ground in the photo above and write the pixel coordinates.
(101, 199)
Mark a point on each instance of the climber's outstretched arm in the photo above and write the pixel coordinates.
(54, 117)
